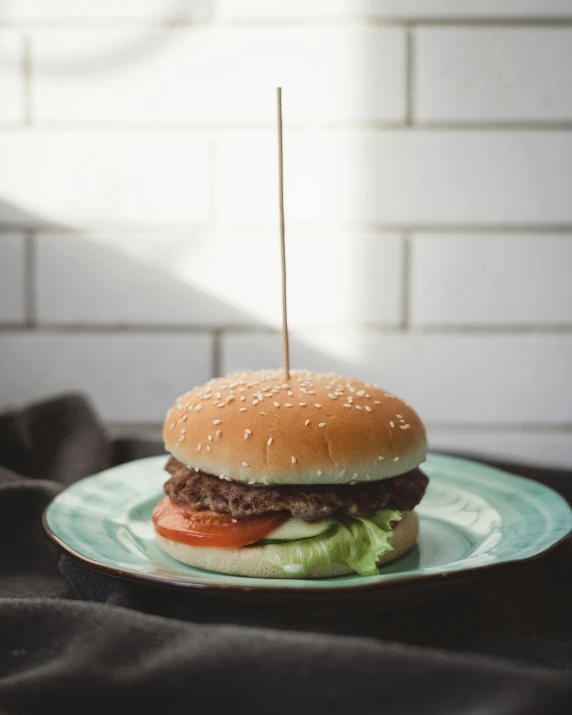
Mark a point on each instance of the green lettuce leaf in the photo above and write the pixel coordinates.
(353, 540)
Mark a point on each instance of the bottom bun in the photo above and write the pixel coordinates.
(250, 561)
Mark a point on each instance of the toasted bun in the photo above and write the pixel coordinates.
(250, 561)
(316, 428)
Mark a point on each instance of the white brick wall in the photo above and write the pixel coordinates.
(130, 377)
(402, 178)
(159, 279)
(11, 77)
(525, 379)
(101, 177)
(491, 280)
(428, 160)
(392, 9)
(492, 74)
(213, 74)
(63, 12)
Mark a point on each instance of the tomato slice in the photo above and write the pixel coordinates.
(180, 522)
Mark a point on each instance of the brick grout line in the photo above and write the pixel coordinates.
(503, 427)
(548, 21)
(263, 227)
(555, 22)
(384, 329)
(30, 273)
(335, 125)
(406, 287)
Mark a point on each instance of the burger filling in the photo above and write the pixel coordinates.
(204, 491)
(301, 527)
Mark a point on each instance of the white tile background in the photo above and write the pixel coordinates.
(428, 197)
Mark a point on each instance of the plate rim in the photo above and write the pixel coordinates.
(278, 590)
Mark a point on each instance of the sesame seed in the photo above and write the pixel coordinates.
(245, 464)
(367, 408)
(359, 407)
(217, 422)
(267, 394)
(351, 400)
(173, 426)
(346, 405)
(396, 459)
(403, 426)
(255, 402)
(322, 424)
(356, 475)
(246, 435)
(220, 404)
(311, 392)
(318, 406)
(391, 423)
(199, 447)
(181, 438)
(302, 404)
(380, 459)
(319, 473)
(248, 431)
(184, 417)
(293, 460)
(198, 408)
(352, 483)
(343, 473)
(400, 416)
(208, 448)
(263, 413)
(241, 389)
(210, 438)
(218, 433)
(276, 404)
(252, 481)
(376, 402)
(290, 393)
(270, 440)
(306, 423)
(242, 409)
(179, 407)
(367, 477)
(288, 404)
(230, 398)
(242, 398)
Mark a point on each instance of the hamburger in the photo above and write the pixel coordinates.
(310, 477)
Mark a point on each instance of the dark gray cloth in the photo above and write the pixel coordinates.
(76, 641)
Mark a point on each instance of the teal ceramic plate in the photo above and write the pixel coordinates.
(473, 517)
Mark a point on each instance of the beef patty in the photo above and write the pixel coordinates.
(204, 491)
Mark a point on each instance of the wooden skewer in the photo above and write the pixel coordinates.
(285, 344)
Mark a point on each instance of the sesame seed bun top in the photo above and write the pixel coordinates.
(316, 428)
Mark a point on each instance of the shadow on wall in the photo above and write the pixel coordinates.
(122, 284)
(113, 56)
